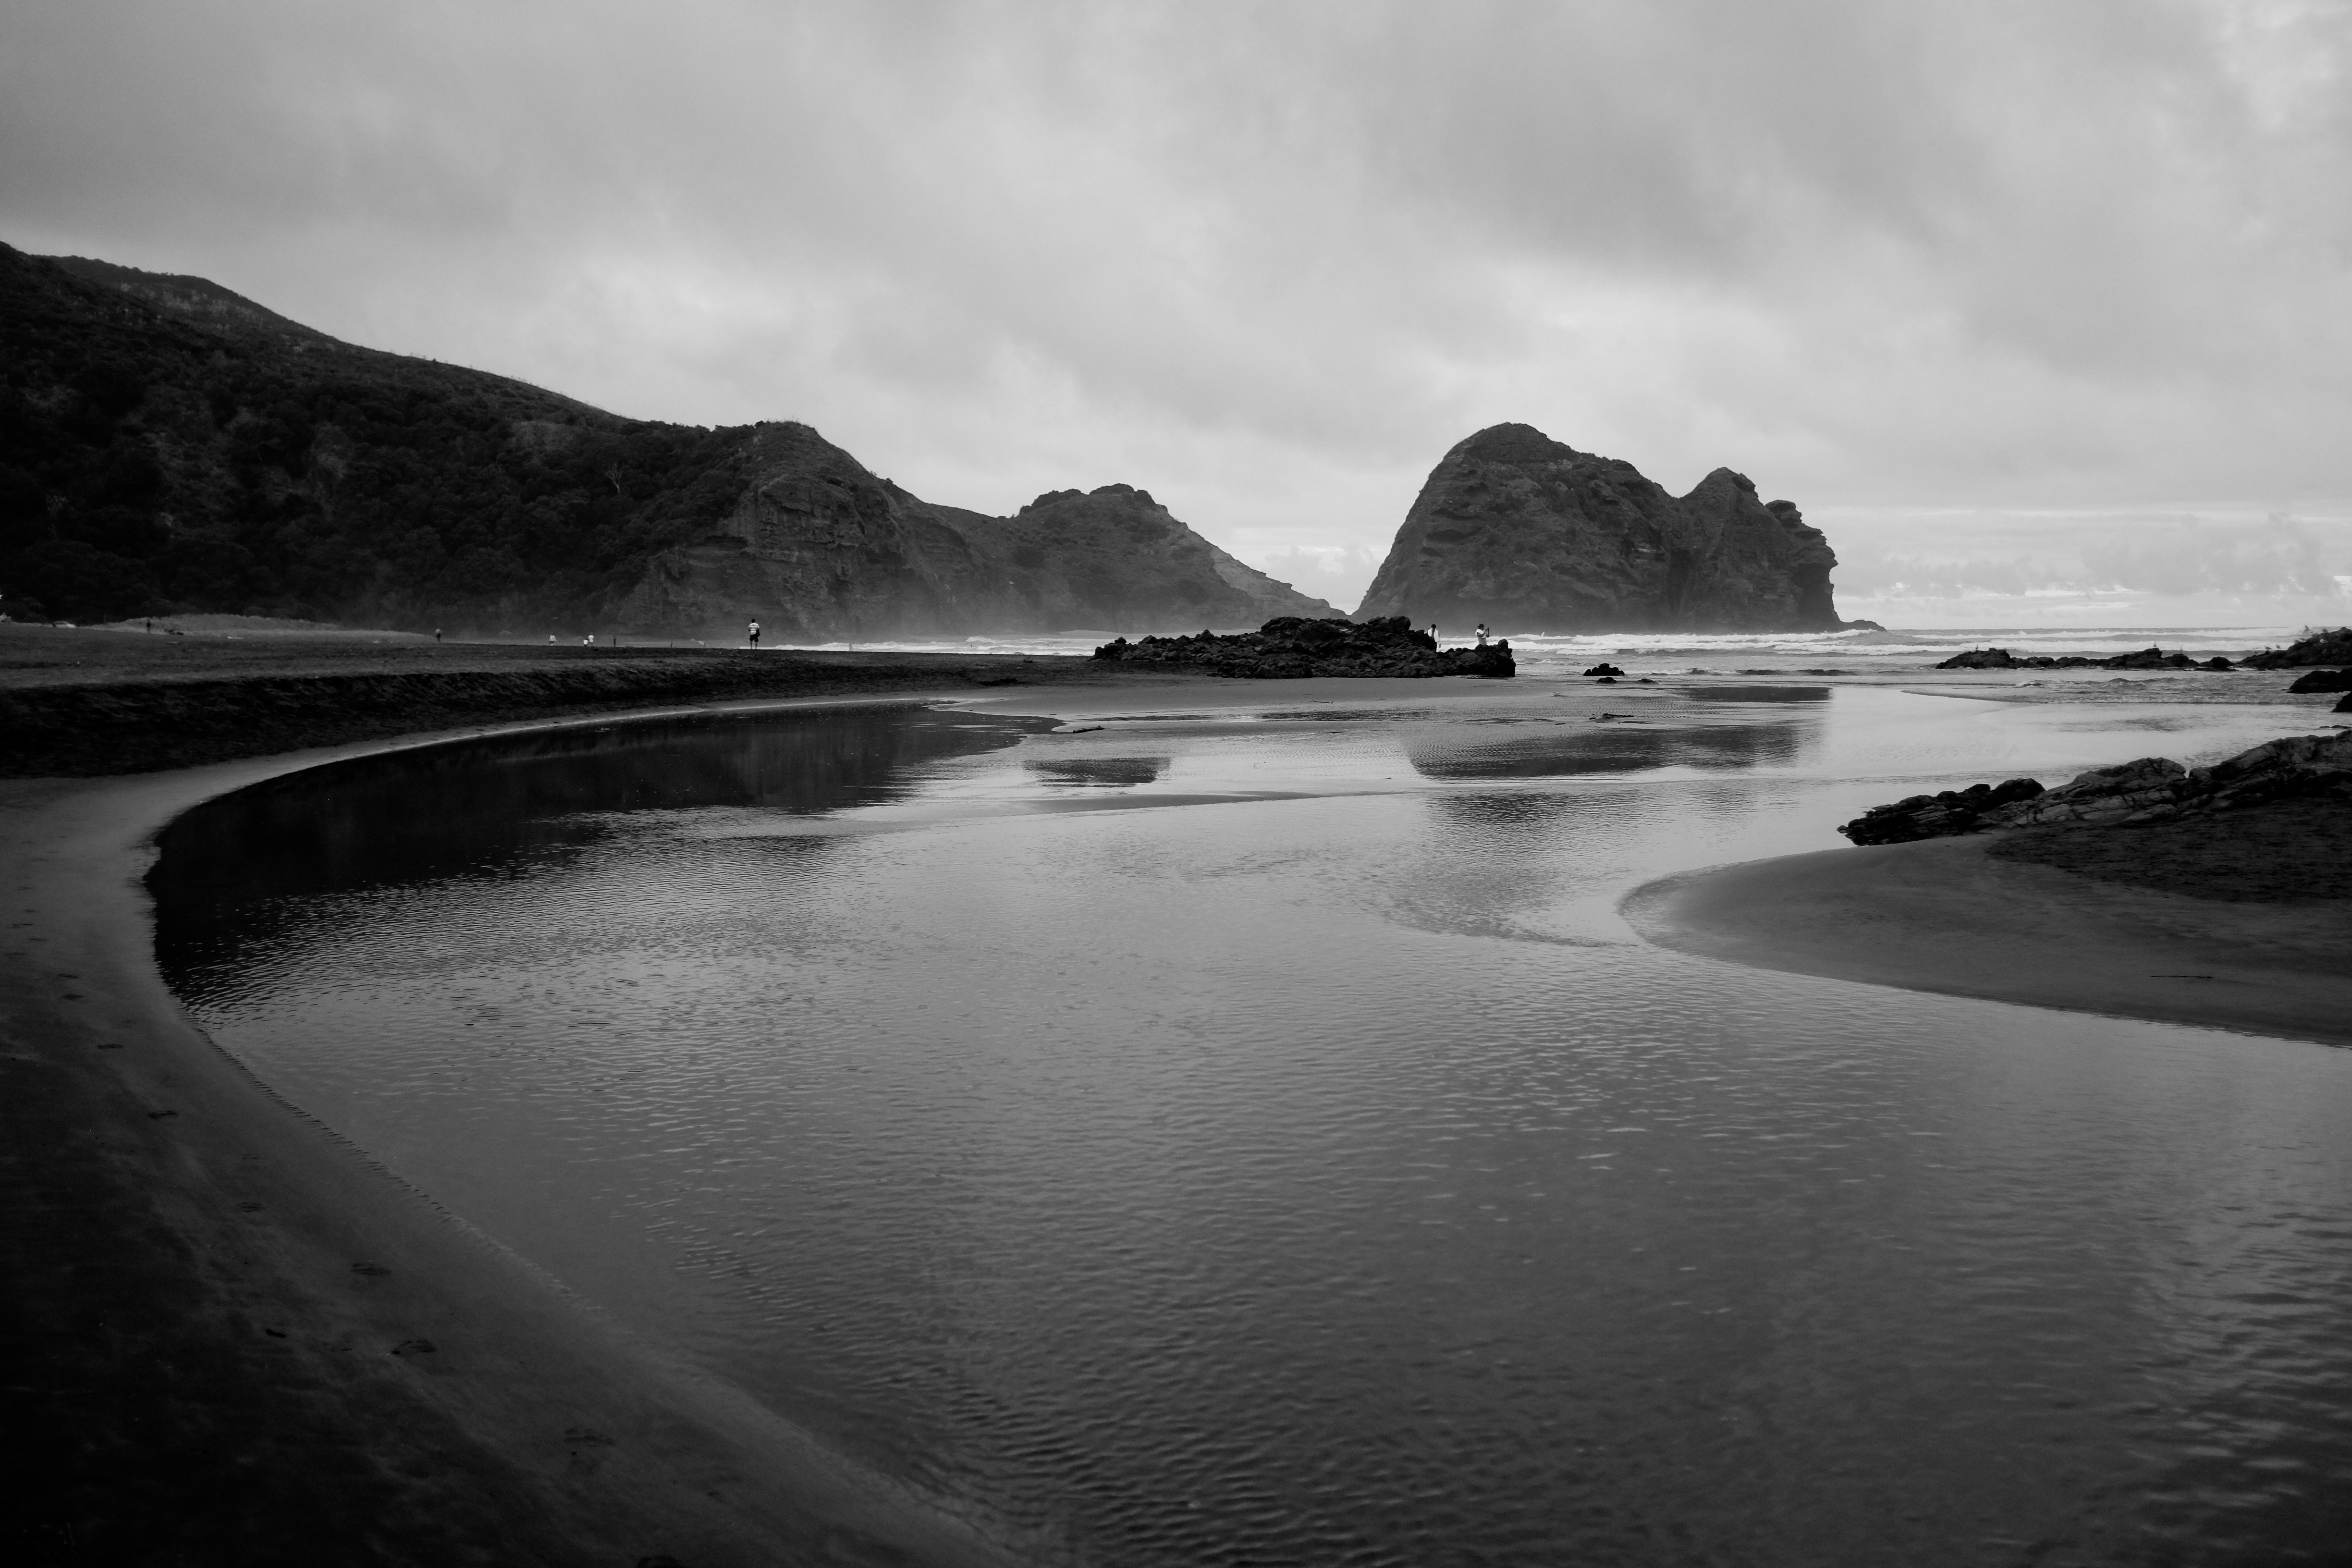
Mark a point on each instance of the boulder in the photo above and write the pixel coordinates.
(1605, 668)
(2323, 681)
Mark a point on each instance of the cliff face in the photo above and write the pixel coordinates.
(167, 445)
(1527, 534)
(820, 550)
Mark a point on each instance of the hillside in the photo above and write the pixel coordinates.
(1529, 535)
(168, 445)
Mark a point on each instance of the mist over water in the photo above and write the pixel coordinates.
(1243, 1131)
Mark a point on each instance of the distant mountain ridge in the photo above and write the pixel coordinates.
(166, 444)
(1529, 535)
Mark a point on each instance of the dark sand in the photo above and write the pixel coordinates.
(232, 1339)
(2242, 921)
(218, 1314)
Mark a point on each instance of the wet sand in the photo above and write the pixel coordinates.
(239, 1341)
(2198, 926)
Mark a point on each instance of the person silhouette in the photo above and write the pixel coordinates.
(1481, 634)
(755, 634)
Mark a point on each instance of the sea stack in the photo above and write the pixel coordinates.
(1527, 534)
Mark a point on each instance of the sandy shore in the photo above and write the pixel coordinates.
(1949, 915)
(240, 1341)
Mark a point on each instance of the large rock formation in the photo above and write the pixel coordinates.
(1289, 646)
(2145, 658)
(168, 445)
(1516, 529)
(2320, 648)
(2152, 789)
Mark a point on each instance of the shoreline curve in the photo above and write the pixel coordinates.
(252, 1343)
(1942, 915)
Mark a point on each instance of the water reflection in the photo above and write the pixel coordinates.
(1102, 772)
(1757, 693)
(1587, 749)
(499, 806)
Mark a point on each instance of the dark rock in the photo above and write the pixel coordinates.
(2323, 681)
(2320, 648)
(1605, 668)
(2343, 705)
(2150, 789)
(1936, 816)
(1606, 680)
(2146, 658)
(1515, 529)
(1291, 646)
(2218, 665)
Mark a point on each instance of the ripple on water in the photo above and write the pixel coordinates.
(1322, 1180)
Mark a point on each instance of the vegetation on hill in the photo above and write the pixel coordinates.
(168, 447)
(165, 446)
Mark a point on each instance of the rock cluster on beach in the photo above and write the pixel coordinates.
(2320, 648)
(1293, 645)
(1520, 531)
(2146, 658)
(2150, 789)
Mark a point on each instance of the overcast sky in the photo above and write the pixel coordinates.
(2043, 310)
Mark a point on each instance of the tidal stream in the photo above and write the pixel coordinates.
(1244, 1135)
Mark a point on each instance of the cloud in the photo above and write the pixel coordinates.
(1270, 261)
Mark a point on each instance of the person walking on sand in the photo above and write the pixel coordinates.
(755, 634)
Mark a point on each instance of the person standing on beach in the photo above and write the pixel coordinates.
(755, 634)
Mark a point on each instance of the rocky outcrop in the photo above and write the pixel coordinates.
(2323, 681)
(2146, 658)
(819, 550)
(1520, 531)
(2320, 648)
(1292, 646)
(1938, 815)
(2152, 789)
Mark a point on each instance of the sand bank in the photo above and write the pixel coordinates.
(1945, 915)
(243, 1342)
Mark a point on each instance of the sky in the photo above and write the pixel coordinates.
(2040, 309)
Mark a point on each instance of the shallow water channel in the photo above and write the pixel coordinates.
(1248, 1135)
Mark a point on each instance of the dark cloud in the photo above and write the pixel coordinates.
(1270, 260)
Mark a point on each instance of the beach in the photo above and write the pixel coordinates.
(248, 1343)
(256, 1344)
(2212, 922)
